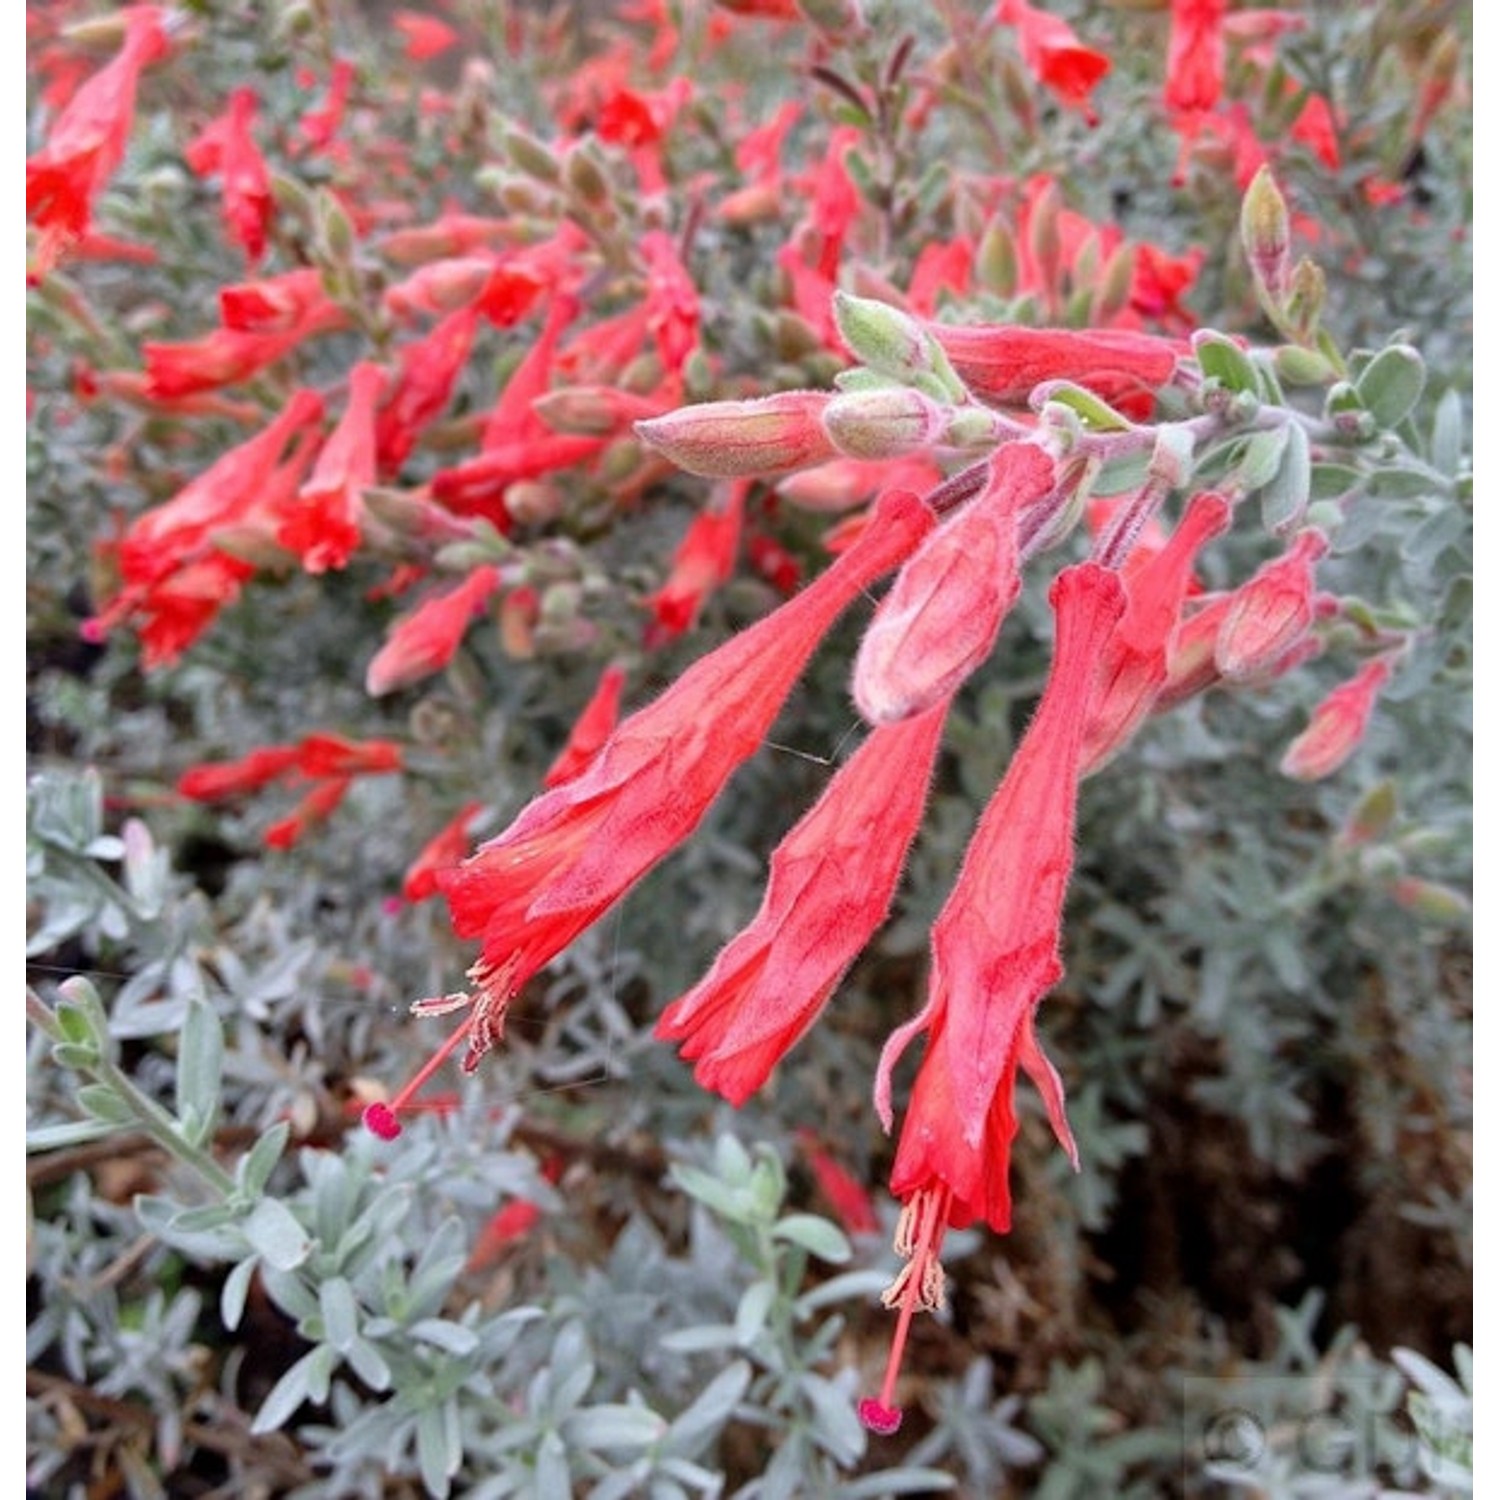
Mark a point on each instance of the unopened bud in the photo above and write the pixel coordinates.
(998, 263)
(1045, 235)
(1266, 233)
(1373, 814)
(883, 424)
(741, 439)
(1426, 898)
(1305, 297)
(1337, 726)
(895, 344)
(1269, 614)
(1298, 366)
(1114, 285)
(335, 229)
(585, 175)
(531, 156)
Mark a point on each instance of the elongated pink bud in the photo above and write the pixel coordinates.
(1338, 725)
(741, 439)
(1269, 614)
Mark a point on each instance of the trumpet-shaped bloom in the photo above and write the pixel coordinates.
(88, 141)
(942, 615)
(424, 641)
(591, 730)
(703, 561)
(1057, 59)
(831, 883)
(227, 147)
(995, 954)
(1195, 54)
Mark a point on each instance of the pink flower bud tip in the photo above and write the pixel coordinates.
(380, 1119)
(878, 1417)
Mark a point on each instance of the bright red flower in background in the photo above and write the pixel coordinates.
(592, 729)
(427, 370)
(1337, 726)
(426, 37)
(1195, 54)
(1051, 50)
(830, 886)
(226, 146)
(446, 848)
(87, 142)
(425, 641)
(323, 526)
(704, 559)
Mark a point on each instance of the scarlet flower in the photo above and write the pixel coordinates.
(226, 356)
(427, 370)
(276, 304)
(227, 147)
(941, 617)
(1003, 364)
(424, 641)
(426, 36)
(332, 755)
(316, 807)
(671, 300)
(591, 730)
(995, 955)
(219, 780)
(703, 560)
(324, 525)
(442, 851)
(1133, 667)
(1051, 50)
(87, 142)
(831, 883)
(843, 1190)
(1195, 54)
(575, 850)
(319, 126)
(1337, 725)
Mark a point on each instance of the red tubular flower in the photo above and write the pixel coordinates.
(426, 36)
(703, 560)
(319, 126)
(1195, 54)
(323, 527)
(843, 1190)
(428, 370)
(442, 851)
(1337, 725)
(1004, 364)
(994, 956)
(316, 807)
(87, 142)
(671, 300)
(276, 304)
(831, 883)
(578, 848)
(1133, 668)
(332, 755)
(593, 728)
(1051, 49)
(226, 356)
(227, 147)
(941, 617)
(1271, 611)
(219, 780)
(424, 641)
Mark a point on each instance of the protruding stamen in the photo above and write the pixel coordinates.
(919, 1284)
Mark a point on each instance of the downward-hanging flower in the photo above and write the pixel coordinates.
(227, 147)
(831, 883)
(995, 954)
(425, 640)
(570, 855)
(1195, 54)
(1057, 59)
(942, 615)
(88, 141)
(1337, 725)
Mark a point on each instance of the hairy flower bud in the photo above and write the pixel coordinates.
(740, 439)
(1266, 233)
(1269, 614)
(883, 423)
